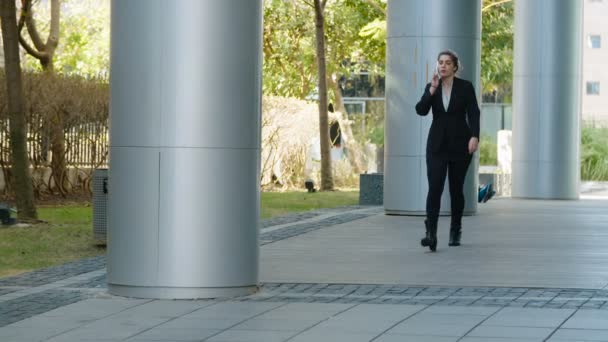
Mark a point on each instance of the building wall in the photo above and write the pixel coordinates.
(595, 62)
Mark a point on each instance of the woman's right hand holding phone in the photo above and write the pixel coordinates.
(434, 83)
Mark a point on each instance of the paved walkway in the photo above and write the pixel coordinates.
(527, 271)
(514, 243)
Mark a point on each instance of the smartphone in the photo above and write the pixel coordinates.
(437, 69)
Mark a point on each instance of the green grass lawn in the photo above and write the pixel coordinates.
(281, 203)
(67, 235)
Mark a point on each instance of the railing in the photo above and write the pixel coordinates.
(86, 144)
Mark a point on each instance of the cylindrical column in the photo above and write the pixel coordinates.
(417, 31)
(547, 99)
(185, 145)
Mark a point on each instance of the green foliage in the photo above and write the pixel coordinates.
(368, 128)
(487, 151)
(290, 68)
(289, 49)
(594, 154)
(376, 134)
(84, 38)
(375, 37)
(497, 48)
(348, 49)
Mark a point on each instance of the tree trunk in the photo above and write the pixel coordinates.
(58, 164)
(356, 150)
(45, 52)
(337, 95)
(327, 182)
(24, 192)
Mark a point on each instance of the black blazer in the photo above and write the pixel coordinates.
(451, 129)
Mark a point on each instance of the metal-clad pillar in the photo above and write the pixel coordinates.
(547, 99)
(417, 31)
(185, 145)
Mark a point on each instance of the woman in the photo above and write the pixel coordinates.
(452, 140)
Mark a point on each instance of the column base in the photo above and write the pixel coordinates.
(152, 292)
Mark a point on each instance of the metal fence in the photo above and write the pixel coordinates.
(86, 144)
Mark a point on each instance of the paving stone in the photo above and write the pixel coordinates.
(19, 308)
(588, 319)
(97, 282)
(303, 228)
(53, 274)
(6, 291)
(579, 335)
(38, 303)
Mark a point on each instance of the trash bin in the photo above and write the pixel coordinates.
(371, 189)
(100, 205)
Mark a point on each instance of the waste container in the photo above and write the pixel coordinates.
(371, 189)
(100, 205)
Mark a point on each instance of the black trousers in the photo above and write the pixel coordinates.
(437, 167)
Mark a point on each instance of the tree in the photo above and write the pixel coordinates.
(289, 50)
(350, 48)
(290, 53)
(44, 52)
(496, 42)
(350, 51)
(497, 48)
(327, 182)
(85, 38)
(24, 193)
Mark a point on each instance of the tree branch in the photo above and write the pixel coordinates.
(28, 15)
(30, 50)
(21, 22)
(376, 6)
(308, 3)
(495, 4)
(53, 39)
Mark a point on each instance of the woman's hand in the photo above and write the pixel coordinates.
(434, 83)
(473, 145)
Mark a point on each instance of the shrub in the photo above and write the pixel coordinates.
(594, 154)
(487, 151)
(79, 106)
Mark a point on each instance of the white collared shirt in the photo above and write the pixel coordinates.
(446, 99)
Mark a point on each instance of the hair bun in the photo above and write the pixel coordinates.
(453, 56)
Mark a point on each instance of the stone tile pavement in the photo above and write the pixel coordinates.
(70, 303)
(114, 319)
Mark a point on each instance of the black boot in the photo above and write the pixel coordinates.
(430, 240)
(455, 235)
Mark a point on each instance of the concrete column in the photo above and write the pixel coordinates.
(547, 99)
(185, 146)
(417, 31)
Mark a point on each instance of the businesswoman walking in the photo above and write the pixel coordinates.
(452, 140)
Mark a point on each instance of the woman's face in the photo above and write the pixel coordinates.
(446, 66)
